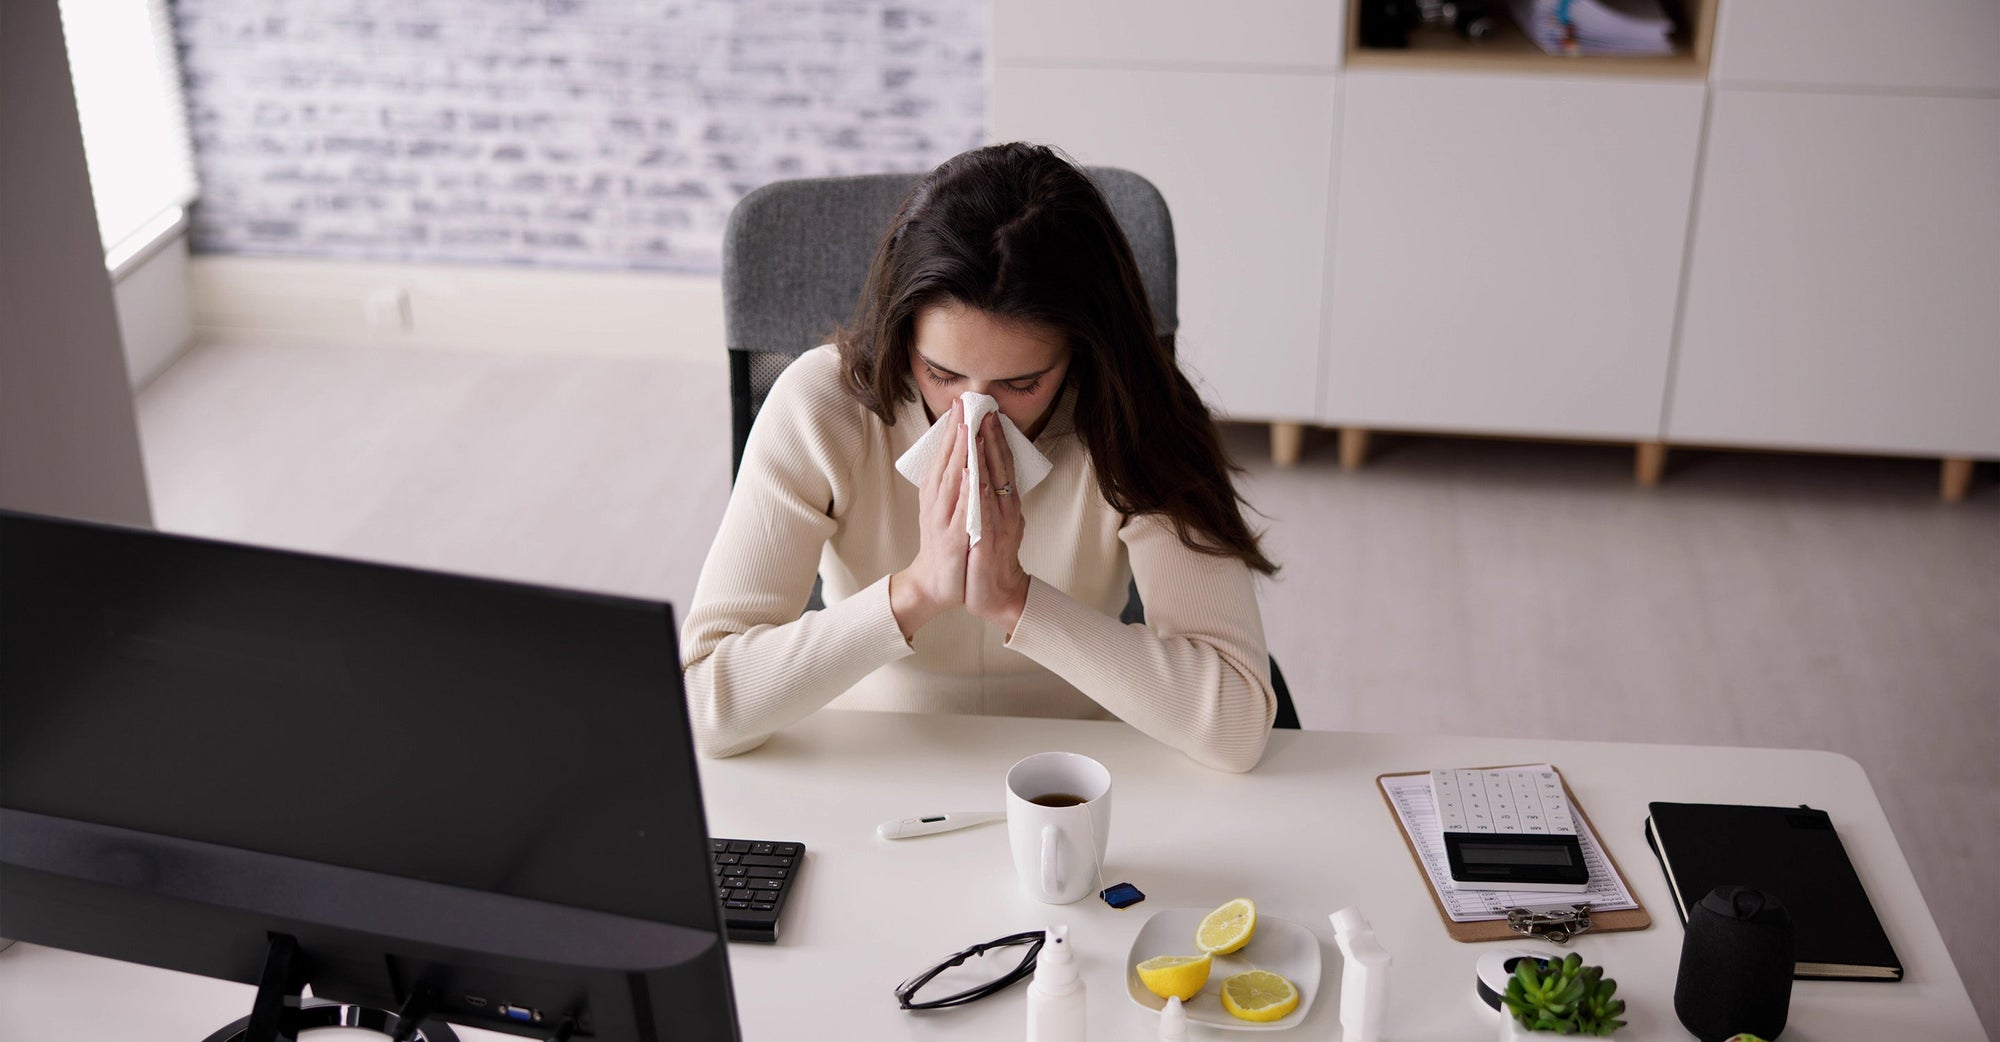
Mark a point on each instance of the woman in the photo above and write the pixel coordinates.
(1003, 273)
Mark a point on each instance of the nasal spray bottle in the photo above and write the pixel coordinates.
(1364, 977)
(1055, 997)
(1173, 1021)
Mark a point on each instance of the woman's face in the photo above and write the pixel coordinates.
(960, 349)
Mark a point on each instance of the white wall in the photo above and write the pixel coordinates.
(155, 314)
(69, 443)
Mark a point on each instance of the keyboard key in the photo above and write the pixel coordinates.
(737, 846)
(728, 859)
(764, 884)
(760, 906)
(760, 848)
(736, 904)
(786, 849)
(767, 873)
(768, 860)
(737, 870)
(717, 846)
(741, 894)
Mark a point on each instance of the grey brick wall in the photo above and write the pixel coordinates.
(577, 133)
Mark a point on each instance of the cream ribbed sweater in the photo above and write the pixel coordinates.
(818, 491)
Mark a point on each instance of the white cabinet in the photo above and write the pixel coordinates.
(1895, 44)
(1183, 33)
(1844, 286)
(1507, 252)
(1243, 159)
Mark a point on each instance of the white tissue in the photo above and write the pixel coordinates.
(1030, 466)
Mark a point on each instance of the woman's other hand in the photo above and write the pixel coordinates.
(934, 583)
(996, 586)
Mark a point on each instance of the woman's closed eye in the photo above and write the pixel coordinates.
(944, 379)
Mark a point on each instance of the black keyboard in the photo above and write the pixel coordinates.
(752, 880)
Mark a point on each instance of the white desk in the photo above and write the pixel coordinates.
(1309, 834)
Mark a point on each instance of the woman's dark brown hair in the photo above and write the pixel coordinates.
(1020, 233)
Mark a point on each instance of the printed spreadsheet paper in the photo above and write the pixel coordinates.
(1411, 796)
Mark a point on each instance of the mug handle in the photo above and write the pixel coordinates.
(1051, 843)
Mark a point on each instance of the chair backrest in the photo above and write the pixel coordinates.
(795, 254)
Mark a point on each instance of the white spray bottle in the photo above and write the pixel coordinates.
(1364, 977)
(1055, 997)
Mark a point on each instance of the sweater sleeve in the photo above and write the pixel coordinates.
(751, 663)
(1195, 675)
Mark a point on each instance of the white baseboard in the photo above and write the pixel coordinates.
(289, 300)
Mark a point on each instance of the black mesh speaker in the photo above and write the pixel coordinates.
(1736, 965)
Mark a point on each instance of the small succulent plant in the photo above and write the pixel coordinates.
(1564, 996)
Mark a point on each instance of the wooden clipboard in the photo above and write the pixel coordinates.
(1497, 929)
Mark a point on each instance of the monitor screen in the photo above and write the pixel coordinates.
(491, 737)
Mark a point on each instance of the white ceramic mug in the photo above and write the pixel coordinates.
(1058, 850)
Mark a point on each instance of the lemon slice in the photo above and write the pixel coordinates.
(1175, 976)
(1227, 928)
(1259, 996)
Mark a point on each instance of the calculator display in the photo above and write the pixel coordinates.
(1498, 861)
(1518, 854)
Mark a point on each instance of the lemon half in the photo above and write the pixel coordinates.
(1259, 996)
(1227, 928)
(1175, 976)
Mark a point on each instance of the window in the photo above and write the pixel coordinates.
(135, 129)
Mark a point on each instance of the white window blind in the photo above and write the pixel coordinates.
(126, 74)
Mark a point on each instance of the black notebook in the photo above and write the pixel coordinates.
(1792, 852)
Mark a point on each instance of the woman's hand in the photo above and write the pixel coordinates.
(996, 586)
(935, 582)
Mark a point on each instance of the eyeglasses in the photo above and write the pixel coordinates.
(973, 974)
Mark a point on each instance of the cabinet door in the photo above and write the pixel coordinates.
(1242, 160)
(1844, 286)
(1911, 44)
(1245, 32)
(1507, 252)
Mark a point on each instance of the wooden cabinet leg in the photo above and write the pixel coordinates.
(1650, 463)
(1955, 479)
(1287, 440)
(1353, 447)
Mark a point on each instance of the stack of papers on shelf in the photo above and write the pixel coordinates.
(1596, 26)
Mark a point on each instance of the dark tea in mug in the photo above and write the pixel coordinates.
(1059, 799)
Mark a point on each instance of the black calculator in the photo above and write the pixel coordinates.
(752, 879)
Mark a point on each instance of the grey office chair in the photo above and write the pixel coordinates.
(795, 255)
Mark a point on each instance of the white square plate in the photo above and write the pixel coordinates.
(1280, 946)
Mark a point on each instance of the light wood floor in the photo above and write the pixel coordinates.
(1454, 586)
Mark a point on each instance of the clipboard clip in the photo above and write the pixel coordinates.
(1554, 925)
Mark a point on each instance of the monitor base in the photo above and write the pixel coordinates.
(322, 1013)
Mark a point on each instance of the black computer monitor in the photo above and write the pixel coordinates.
(288, 770)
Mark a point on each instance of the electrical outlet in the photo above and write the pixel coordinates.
(387, 308)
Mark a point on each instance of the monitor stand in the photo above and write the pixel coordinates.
(324, 1013)
(280, 1011)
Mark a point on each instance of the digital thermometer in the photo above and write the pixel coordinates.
(906, 828)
